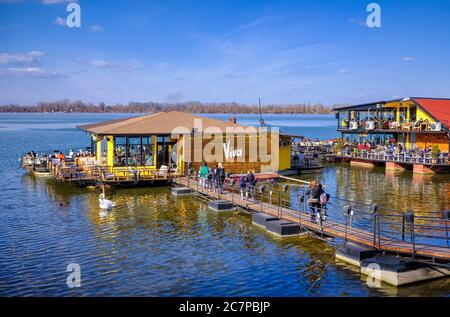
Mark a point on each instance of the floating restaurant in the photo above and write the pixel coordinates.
(416, 129)
(160, 145)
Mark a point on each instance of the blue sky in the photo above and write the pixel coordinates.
(223, 51)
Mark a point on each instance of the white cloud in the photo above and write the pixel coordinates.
(30, 58)
(35, 72)
(96, 28)
(56, 1)
(104, 64)
(60, 21)
(408, 58)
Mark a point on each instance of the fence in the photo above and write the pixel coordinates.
(339, 218)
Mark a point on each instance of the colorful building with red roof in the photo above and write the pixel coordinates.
(411, 122)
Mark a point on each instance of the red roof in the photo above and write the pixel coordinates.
(438, 108)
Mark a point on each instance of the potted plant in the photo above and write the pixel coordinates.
(339, 146)
(434, 153)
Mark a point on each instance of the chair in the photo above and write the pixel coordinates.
(406, 126)
(162, 172)
(394, 125)
(353, 125)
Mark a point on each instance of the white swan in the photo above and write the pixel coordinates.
(105, 203)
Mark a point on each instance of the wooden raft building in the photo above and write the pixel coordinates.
(159, 146)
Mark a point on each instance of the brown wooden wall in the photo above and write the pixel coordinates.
(238, 164)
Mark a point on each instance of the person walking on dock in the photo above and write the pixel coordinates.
(203, 175)
(251, 181)
(313, 193)
(211, 182)
(220, 177)
(242, 186)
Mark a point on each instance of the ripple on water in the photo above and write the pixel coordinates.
(155, 244)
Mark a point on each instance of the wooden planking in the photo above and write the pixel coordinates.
(331, 228)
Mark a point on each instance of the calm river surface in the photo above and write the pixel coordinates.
(153, 244)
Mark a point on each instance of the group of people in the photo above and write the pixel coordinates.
(71, 156)
(212, 178)
(384, 124)
(311, 144)
(391, 150)
(247, 185)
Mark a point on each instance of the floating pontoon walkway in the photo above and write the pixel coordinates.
(380, 235)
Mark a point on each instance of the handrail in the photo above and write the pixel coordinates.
(399, 157)
(295, 180)
(363, 222)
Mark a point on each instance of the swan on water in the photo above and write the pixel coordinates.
(105, 203)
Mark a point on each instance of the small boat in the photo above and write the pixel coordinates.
(37, 164)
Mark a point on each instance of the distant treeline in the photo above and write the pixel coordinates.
(143, 107)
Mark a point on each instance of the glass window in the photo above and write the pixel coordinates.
(344, 119)
(134, 151)
(104, 148)
(163, 138)
(120, 144)
(413, 114)
(147, 151)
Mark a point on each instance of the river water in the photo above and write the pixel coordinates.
(153, 244)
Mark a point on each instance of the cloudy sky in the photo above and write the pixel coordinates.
(221, 51)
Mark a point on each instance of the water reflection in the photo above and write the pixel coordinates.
(393, 191)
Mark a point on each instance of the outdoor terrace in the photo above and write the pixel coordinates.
(92, 172)
(442, 159)
(389, 126)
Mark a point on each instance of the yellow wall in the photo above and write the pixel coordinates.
(110, 152)
(285, 157)
(98, 149)
(422, 115)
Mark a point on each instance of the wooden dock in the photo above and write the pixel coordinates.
(332, 228)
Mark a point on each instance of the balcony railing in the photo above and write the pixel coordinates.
(392, 126)
(400, 157)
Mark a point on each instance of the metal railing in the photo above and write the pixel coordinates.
(403, 157)
(342, 218)
(391, 126)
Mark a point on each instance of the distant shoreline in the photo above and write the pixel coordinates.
(66, 106)
(145, 112)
